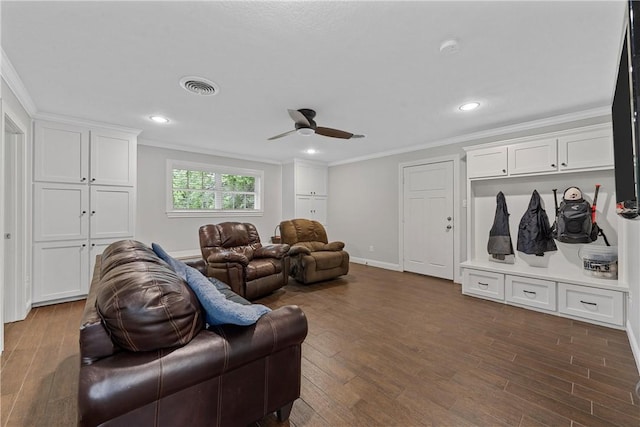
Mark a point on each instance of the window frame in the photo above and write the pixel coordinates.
(218, 169)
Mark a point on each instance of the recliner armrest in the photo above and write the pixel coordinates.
(334, 246)
(228, 256)
(272, 251)
(299, 250)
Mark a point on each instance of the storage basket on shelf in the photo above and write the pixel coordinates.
(276, 239)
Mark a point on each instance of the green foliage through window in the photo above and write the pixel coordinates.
(205, 190)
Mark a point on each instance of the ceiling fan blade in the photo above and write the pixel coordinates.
(298, 117)
(281, 135)
(333, 133)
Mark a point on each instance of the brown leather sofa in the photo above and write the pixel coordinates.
(234, 255)
(313, 258)
(148, 360)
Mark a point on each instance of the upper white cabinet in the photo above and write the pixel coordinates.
(61, 153)
(586, 150)
(84, 199)
(310, 178)
(487, 162)
(113, 158)
(568, 151)
(533, 156)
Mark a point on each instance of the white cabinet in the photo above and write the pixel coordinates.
(585, 150)
(61, 212)
(112, 212)
(84, 199)
(486, 162)
(532, 157)
(530, 292)
(483, 284)
(305, 191)
(603, 305)
(60, 153)
(310, 178)
(312, 207)
(555, 283)
(60, 270)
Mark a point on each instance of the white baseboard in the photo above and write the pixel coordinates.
(374, 263)
(635, 347)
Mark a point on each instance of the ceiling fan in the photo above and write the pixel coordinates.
(305, 125)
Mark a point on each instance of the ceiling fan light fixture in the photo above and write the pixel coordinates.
(305, 131)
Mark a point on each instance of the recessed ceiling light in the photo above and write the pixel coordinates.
(469, 106)
(310, 151)
(159, 119)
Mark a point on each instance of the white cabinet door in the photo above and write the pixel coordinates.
(60, 153)
(486, 162)
(311, 179)
(586, 150)
(61, 212)
(533, 157)
(113, 158)
(112, 212)
(60, 270)
(311, 207)
(96, 247)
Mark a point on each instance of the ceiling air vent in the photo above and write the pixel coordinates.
(199, 85)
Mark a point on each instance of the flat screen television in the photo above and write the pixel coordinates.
(624, 113)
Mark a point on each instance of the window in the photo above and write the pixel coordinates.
(196, 189)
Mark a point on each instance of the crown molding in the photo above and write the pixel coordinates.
(84, 122)
(520, 127)
(208, 151)
(10, 75)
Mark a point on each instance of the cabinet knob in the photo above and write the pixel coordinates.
(83, 212)
(553, 165)
(93, 245)
(563, 164)
(84, 245)
(93, 180)
(83, 179)
(504, 171)
(93, 212)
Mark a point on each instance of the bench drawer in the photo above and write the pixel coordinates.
(531, 292)
(591, 303)
(483, 284)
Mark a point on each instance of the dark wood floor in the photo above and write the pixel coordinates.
(384, 349)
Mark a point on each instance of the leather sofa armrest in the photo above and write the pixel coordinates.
(228, 256)
(299, 250)
(334, 246)
(272, 251)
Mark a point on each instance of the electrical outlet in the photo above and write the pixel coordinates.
(371, 248)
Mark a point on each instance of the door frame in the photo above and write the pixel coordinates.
(457, 213)
(19, 294)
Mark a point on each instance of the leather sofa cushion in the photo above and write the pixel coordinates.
(146, 306)
(124, 252)
(302, 230)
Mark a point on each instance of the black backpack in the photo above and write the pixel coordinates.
(573, 220)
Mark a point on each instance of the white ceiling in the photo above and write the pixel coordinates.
(365, 67)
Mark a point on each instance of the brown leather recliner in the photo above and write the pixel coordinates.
(235, 256)
(313, 258)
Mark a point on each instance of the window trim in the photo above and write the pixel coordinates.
(206, 213)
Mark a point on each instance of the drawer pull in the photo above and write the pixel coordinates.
(589, 303)
(486, 285)
(530, 294)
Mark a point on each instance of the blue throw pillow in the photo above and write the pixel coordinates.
(218, 309)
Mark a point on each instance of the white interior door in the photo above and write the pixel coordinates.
(428, 219)
(9, 227)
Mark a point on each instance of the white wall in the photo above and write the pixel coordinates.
(181, 234)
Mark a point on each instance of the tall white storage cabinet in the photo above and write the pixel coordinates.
(555, 283)
(84, 199)
(305, 191)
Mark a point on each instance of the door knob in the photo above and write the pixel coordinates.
(449, 227)
(448, 218)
